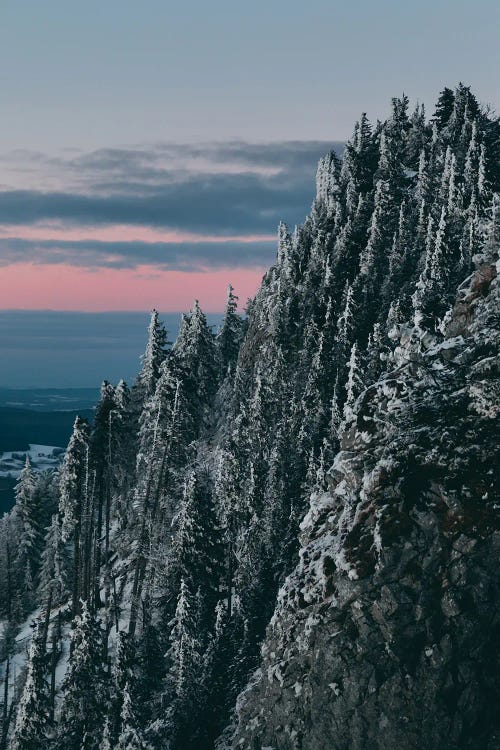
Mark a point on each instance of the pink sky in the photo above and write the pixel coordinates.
(26, 286)
(119, 233)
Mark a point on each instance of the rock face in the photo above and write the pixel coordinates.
(384, 636)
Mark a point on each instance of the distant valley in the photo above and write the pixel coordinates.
(39, 418)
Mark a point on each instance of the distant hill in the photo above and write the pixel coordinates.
(20, 427)
(49, 399)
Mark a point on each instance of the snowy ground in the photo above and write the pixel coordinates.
(22, 643)
(42, 457)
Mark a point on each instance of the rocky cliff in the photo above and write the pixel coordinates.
(384, 635)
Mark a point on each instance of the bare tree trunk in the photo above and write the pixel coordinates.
(230, 574)
(75, 602)
(47, 619)
(115, 605)
(5, 712)
(140, 568)
(98, 545)
(53, 665)
(108, 483)
(89, 531)
(9, 583)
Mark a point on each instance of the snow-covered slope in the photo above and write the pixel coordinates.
(384, 634)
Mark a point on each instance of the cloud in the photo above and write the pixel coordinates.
(220, 189)
(222, 203)
(179, 256)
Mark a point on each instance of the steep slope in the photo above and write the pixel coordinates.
(365, 377)
(385, 634)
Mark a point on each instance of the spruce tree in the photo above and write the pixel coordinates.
(132, 735)
(184, 657)
(195, 354)
(73, 503)
(32, 729)
(84, 699)
(30, 537)
(196, 548)
(55, 571)
(230, 335)
(152, 358)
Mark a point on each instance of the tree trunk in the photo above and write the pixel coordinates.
(5, 712)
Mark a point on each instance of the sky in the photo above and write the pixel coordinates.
(149, 150)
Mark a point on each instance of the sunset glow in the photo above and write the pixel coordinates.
(119, 233)
(63, 287)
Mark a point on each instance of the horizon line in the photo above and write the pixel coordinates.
(100, 312)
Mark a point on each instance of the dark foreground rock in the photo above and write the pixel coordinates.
(385, 636)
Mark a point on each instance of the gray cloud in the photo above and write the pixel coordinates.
(217, 188)
(181, 256)
(221, 203)
(284, 156)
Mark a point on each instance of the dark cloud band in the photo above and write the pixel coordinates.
(216, 203)
(180, 256)
(219, 189)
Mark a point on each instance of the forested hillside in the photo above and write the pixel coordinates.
(282, 534)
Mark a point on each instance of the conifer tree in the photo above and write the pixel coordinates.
(230, 335)
(131, 735)
(184, 657)
(84, 700)
(216, 693)
(196, 547)
(431, 297)
(232, 514)
(195, 353)
(354, 384)
(73, 500)
(55, 570)
(346, 324)
(444, 107)
(152, 358)
(145, 384)
(106, 742)
(32, 728)
(27, 512)
(122, 676)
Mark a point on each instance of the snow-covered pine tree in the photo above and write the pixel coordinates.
(195, 355)
(74, 499)
(132, 736)
(230, 335)
(152, 358)
(196, 549)
(32, 730)
(216, 694)
(29, 541)
(185, 660)
(354, 385)
(84, 698)
(55, 570)
(145, 384)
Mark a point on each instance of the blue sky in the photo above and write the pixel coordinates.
(107, 72)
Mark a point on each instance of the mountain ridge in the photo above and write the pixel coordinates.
(210, 604)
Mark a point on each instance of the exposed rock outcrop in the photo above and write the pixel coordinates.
(385, 634)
